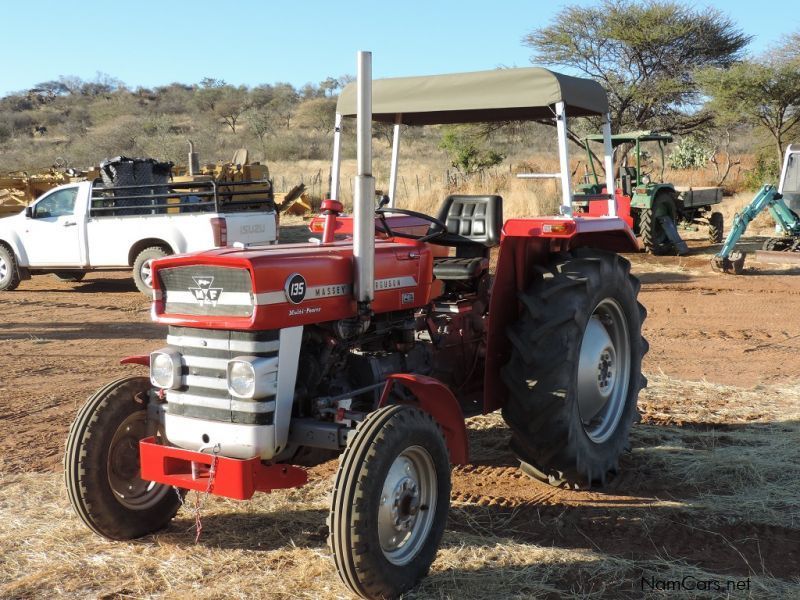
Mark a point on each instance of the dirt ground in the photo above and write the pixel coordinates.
(724, 381)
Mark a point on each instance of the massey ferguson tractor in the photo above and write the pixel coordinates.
(375, 340)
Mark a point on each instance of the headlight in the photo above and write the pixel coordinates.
(165, 369)
(241, 378)
(252, 377)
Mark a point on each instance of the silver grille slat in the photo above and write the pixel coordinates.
(219, 344)
(225, 299)
(220, 403)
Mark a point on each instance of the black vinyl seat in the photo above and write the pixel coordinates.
(474, 225)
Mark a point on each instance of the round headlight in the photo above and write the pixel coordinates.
(162, 371)
(241, 379)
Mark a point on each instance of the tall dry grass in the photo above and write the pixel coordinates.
(425, 180)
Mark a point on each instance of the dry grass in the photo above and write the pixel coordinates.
(274, 545)
(737, 449)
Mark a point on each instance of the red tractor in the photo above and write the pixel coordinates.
(375, 341)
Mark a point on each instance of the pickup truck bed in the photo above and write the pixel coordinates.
(85, 226)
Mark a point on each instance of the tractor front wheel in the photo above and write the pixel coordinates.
(654, 236)
(575, 370)
(101, 464)
(390, 502)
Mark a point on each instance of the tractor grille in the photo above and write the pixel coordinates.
(207, 290)
(204, 389)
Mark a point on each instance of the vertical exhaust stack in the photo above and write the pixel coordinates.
(194, 160)
(364, 200)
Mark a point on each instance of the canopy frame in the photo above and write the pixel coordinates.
(489, 96)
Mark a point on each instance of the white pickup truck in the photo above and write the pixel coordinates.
(82, 227)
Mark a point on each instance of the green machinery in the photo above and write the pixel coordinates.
(657, 207)
(780, 203)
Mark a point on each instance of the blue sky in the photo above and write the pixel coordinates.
(153, 43)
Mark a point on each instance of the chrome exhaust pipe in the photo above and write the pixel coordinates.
(364, 198)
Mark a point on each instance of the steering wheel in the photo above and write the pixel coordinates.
(442, 228)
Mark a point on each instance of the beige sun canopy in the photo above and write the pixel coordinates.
(481, 96)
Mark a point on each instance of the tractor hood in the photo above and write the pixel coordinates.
(273, 287)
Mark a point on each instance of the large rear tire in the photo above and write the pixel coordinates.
(654, 237)
(575, 370)
(101, 464)
(716, 225)
(390, 502)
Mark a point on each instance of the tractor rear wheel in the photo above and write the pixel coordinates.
(575, 370)
(390, 502)
(654, 236)
(101, 465)
(716, 226)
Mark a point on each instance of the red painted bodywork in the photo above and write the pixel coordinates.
(344, 225)
(138, 359)
(233, 478)
(525, 243)
(438, 401)
(321, 265)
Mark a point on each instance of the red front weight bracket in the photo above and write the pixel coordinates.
(233, 478)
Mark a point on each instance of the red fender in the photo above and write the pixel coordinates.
(437, 400)
(138, 359)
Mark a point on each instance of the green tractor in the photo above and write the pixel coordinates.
(657, 208)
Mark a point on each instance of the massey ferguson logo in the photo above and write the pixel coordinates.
(204, 293)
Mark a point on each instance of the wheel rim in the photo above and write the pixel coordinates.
(407, 505)
(124, 471)
(146, 273)
(3, 268)
(604, 371)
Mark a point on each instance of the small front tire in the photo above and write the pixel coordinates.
(390, 502)
(101, 464)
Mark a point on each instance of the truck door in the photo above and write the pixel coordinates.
(52, 232)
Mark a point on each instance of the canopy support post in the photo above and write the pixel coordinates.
(608, 161)
(395, 159)
(336, 165)
(563, 156)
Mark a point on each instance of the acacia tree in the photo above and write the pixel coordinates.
(765, 93)
(645, 55)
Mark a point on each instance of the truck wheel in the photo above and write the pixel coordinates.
(9, 274)
(716, 225)
(142, 273)
(654, 237)
(70, 276)
(101, 464)
(575, 370)
(390, 502)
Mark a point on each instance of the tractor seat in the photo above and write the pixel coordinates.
(474, 225)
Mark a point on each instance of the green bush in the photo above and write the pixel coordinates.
(690, 153)
(765, 170)
(464, 147)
